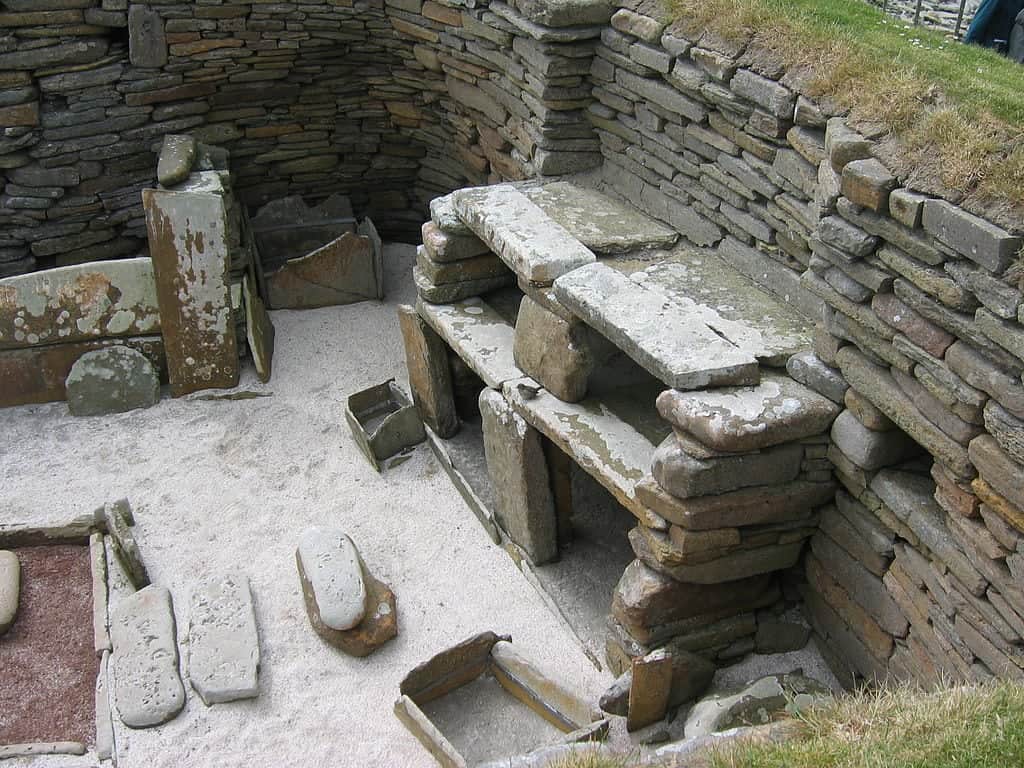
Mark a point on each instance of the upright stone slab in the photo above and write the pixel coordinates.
(650, 689)
(112, 380)
(223, 646)
(147, 42)
(147, 687)
(553, 351)
(118, 519)
(526, 238)
(10, 589)
(187, 232)
(738, 419)
(426, 360)
(670, 340)
(344, 271)
(515, 461)
(83, 302)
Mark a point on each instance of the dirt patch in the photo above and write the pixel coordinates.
(47, 663)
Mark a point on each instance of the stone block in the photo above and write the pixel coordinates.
(426, 357)
(867, 448)
(812, 372)
(223, 644)
(868, 183)
(553, 351)
(147, 41)
(650, 689)
(518, 469)
(980, 241)
(177, 156)
(111, 380)
(844, 145)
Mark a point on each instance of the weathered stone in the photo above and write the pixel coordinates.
(147, 42)
(774, 97)
(452, 293)
(839, 233)
(868, 183)
(445, 246)
(979, 371)
(780, 634)
(479, 335)
(531, 243)
(867, 448)
(650, 689)
(147, 688)
(750, 506)
(524, 504)
(808, 369)
(118, 519)
(936, 411)
(483, 267)
(330, 565)
(637, 25)
(78, 303)
(691, 676)
(740, 419)
(343, 271)
(187, 237)
(426, 359)
(906, 207)
(666, 338)
(866, 412)
(983, 243)
(223, 645)
(686, 477)
(756, 704)
(554, 352)
(839, 528)
(1007, 429)
(998, 469)
(925, 334)
(446, 218)
(844, 145)
(876, 641)
(111, 380)
(1006, 333)
(10, 589)
(177, 156)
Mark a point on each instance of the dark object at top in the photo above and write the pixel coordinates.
(993, 24)
(1016, 49)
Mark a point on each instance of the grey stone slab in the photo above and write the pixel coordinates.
(332, 566)
(450, 293)
(177, 155)
(739, 419)
(104, 717)
(100, 594)
(111, 380)
(118, 519)
(868, 449)
(479, 335)
(147, 688)
(429, 373)
(555, 352)
(669, 339)
(686, 477)
(809, 370)
(611, 435)
(518, 469)
(147, 42)
(980, 241)
(223, 644)
(445, 218)
(79, 303)
(602, 224)
(526, 238)
(10, 589)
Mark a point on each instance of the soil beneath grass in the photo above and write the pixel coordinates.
(48, 665)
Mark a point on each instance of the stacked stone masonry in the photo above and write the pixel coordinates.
(907, 481)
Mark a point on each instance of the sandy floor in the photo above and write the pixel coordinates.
(222, 484)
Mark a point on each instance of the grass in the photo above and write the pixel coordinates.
(898, 727)
(960, 727)
(957, 110)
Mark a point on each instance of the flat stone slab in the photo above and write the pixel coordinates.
(612, 435)
(729, 302)
(479, 335)
(524, 236)
(223, 645)
(79, 303)
(147, 688)
(111, 380)
(344, 271)
(10, 589)
(738, 419)
(329, 561)
(670, 339)
(687, 477)
(602, 224)
(187, 232)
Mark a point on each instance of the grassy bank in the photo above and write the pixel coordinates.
(957, 110)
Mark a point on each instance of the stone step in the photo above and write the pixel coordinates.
(479, 334)
(611, 434)
(670, 339)
(527, 239)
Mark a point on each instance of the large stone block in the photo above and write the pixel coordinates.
(867, 448)
(519, 473)
(553, 351)
(684, 476)
(980, 241)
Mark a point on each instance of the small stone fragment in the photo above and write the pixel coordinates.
(177, 156)
(223, 650)
(809, 370)
(147, 688)
(10, 589)
(118, 519)
(111, 380)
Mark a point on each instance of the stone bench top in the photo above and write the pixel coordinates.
(479, 334)
(611, 434)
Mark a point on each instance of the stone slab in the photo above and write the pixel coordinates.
(687, 477)
(527, 239)
(343, 271)
(100, 595)
(611, 435)
(111, 380)
(479, 335)
(259, 330)
(980, 241)
(430, 380)
(739, 419)
(38, 374)
(669, 339)
(82, 302)
(117, 517)
(329, 561)
(10, 589)
(223, 645)
(553, 351)
(650, 689)
(187, 242)
(177, 155)
(603, 225)
(147, 688)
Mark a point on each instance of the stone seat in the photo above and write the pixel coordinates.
(686, 316)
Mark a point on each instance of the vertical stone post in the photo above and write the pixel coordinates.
(519, 472)
(426, 358)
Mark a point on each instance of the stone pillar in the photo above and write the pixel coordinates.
(522, 489)
(553, 351)
(426, 357)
